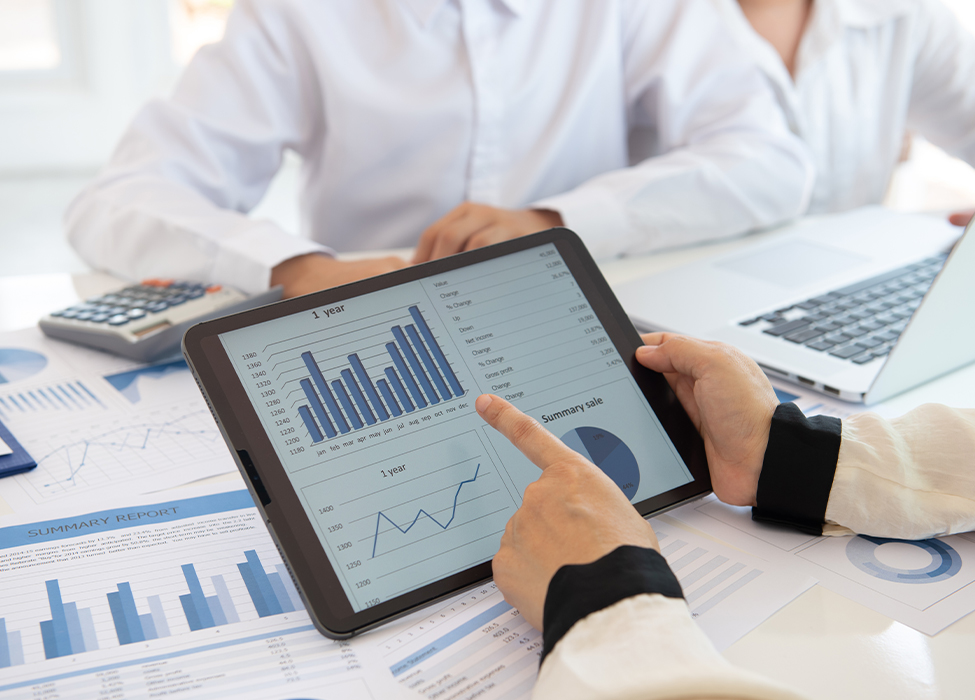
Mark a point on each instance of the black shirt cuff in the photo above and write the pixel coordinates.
(797, 473)
(578, 590)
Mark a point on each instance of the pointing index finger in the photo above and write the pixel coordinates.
(524, 432)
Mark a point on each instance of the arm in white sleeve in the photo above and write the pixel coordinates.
(173, 199)
(619, 629)
(909, 478)
(942, 107)
(722, 160)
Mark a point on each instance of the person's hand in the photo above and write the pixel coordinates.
(730, 401)
(961, 218)
(313, 272)
(470, 226)
(573, 513)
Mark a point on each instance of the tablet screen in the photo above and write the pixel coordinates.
(369, 405)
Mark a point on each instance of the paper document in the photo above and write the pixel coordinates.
(184, 597)
(477, 645)
(925, 584)
(4, 448)
(91, 421)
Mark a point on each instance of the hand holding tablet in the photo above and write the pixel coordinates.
(351, 414)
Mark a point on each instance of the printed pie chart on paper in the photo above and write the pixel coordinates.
(17, 364)
(609, 453)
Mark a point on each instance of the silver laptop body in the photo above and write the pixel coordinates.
(760, 297)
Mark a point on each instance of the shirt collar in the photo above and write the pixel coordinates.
(426, 9)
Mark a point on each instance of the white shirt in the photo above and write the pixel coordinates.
(867, 71)
(403, 109)
(909, 478)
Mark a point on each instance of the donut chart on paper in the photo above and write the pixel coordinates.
(945, 560)
(609, 453)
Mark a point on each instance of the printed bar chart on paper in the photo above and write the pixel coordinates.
(154, 601)
(11, 646)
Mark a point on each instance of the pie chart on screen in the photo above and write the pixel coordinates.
(609, 453)
(17, 364)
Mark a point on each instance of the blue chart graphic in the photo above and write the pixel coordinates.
(130, 626)
(11, 646)
(609, 453)
(127, 383)
(67, 396)
(443, 526)
(423, 378)
(17, 364)
(155, 443)
(945, 560)
(71, 629)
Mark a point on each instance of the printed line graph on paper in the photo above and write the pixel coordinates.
(94, 454)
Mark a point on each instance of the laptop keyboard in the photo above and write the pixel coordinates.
(859, 323)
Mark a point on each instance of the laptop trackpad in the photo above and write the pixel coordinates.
(793, 263)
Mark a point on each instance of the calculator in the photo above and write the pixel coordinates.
(146, 321)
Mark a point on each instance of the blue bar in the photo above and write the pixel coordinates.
(428, 361)
(404, 345)
(319, 410)
(118, 617)
(366, 381)
(75, 634)
(358, 397)
(216, 611)
(316, 375)
(399, 389)
(226, 602)
(4, 645)
(407, 377)
(258, 586)
(158, 616)
(147, 626)
(388, 397)
(195, 603)
(437, 351)
(131, 614)
(262, 581)
(60, 641)
(255, 592)
(47, 635)
(87, 623)
(316, 434)
(347, 404)
(280, 592)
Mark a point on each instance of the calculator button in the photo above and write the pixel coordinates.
(195, 293)
(99, 318)
(214, 288)
(84, 315)
(118, 320)
(135, 313)
(157, 306)
(177, 300)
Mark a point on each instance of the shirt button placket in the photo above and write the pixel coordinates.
(481, 28)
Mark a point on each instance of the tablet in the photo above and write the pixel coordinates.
(351, 415)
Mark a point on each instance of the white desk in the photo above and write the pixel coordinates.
(822, 644)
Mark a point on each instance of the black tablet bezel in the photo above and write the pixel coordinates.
(274, 494)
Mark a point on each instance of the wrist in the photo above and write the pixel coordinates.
(798, 468)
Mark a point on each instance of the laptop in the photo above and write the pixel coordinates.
(861, 305)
